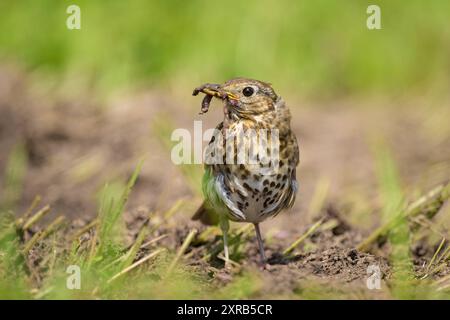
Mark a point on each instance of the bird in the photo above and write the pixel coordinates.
(235, 188)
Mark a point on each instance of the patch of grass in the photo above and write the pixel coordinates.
(111, 208)
(108, 268)
(396, 217)
(243, 287)
(399, 237)
(12, 262)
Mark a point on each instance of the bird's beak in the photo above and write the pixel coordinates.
(215, 90)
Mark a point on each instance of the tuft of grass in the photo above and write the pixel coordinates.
(399, 234)
(12, 263)
(13, 269)
(111, 208)
(108, 268)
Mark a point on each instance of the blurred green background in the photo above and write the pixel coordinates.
(317, 48)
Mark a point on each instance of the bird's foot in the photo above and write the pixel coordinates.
(264, 265)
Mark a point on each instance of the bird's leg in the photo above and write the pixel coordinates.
(260, 244)
(225, 226)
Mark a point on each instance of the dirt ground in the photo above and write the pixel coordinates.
(76, 145)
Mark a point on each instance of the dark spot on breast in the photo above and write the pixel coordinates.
(272, 184)
(266, 182)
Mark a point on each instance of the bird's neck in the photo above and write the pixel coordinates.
(277, 118)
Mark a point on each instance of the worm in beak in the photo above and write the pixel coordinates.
(213, 90)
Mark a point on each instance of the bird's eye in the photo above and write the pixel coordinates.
(248, 91)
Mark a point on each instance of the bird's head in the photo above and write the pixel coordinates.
(244, 98)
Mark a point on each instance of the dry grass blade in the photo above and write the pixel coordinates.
(181, 251)
(428, 224)
(129, 256)
(133, 248)
(36, 217)
(152, 241)
(441, 263)
(297, 242)
(205, 234)
(134, 265)
(169, 213)
(86, 228)
(39, 236)
(232, 262)
(434, 198)
(436, 254)
(34, 204)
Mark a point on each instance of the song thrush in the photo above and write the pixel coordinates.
(248, 191)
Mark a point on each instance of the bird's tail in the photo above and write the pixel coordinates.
(206, 215)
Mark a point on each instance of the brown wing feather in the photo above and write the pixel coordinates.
(206, 216)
